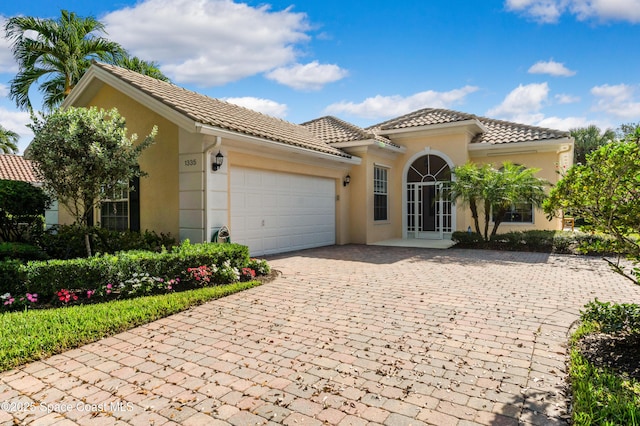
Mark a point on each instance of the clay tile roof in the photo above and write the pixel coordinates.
(16, 167)
(217, 113)
(333, 130)
(498, 131)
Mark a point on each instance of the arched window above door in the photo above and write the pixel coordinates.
(429, 168)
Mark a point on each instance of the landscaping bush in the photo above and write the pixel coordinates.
(67, 241)
(126, 274)
(21, 251)
(22, 207)
(603, 365)
(618, 318)
(542, 241)
(12, 277)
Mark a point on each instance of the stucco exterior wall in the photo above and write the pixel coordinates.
(159, 189)
(549, 164)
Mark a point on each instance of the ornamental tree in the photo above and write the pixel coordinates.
(605, 192)
(490, 190)
(83, 155)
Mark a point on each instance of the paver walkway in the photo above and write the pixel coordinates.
(347, 335)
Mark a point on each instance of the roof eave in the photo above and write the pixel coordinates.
(527, 147)
(370, 142)
(276, 145)
(473, 126)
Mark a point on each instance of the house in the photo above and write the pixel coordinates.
(281, 186)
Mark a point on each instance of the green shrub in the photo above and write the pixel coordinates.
(47, 277)
(12, 277)
(21, 208)
(543, 241)
(128, 274)
(464, 238)
(21, 251)
(67, 241)
(612, 317)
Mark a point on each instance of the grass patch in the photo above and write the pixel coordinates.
(601, 396)
(35, 334)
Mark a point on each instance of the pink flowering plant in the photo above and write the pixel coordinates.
(260, 266)
(201, 275)
(9, 302)
(66, 296)
(247, 274)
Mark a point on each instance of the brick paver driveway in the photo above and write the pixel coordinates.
(347, 335)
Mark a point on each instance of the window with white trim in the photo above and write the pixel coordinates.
(380, 194)
(114, 211)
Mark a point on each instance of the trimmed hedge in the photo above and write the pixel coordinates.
(67, 241)
(46, 278)
(21, 251)
(542, 241)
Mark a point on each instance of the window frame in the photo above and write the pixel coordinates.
(380, 189)
(119, 195)
(513, 210)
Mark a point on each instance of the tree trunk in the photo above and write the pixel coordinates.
(487, 219)
(474, 214)
(88, 206)
(87, 243)
(499, 215)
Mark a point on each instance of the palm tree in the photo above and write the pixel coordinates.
(57, 55)
(141, 66)
(8, 141)
(467, 188)
(496, 191)
(588, 139)
(515, 184)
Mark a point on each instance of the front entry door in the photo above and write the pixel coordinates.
(428, 210)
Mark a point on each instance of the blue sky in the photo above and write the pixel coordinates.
(553, 63)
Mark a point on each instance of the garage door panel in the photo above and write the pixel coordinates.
(274, 212)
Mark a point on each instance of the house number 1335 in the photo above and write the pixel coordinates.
(189, 163)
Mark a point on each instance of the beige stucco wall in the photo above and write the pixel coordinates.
(547, 163)
(159, 189)
(453, 146)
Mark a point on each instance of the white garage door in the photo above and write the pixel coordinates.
(273, 212)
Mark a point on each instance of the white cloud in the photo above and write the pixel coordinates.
(549, 11)
(564, 99)
(551, 67)
(564, 123)
(4, 90)
(544, 11)
(389, 106)
(17, 121)
(311, 76)
(7, 63)
(209, 42)
(523, 104)
(618, 100)
(607, 10)
(265, 106)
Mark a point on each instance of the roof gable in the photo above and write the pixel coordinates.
(220, 114)
(497, 131)
(16, 167)
(333, 130)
